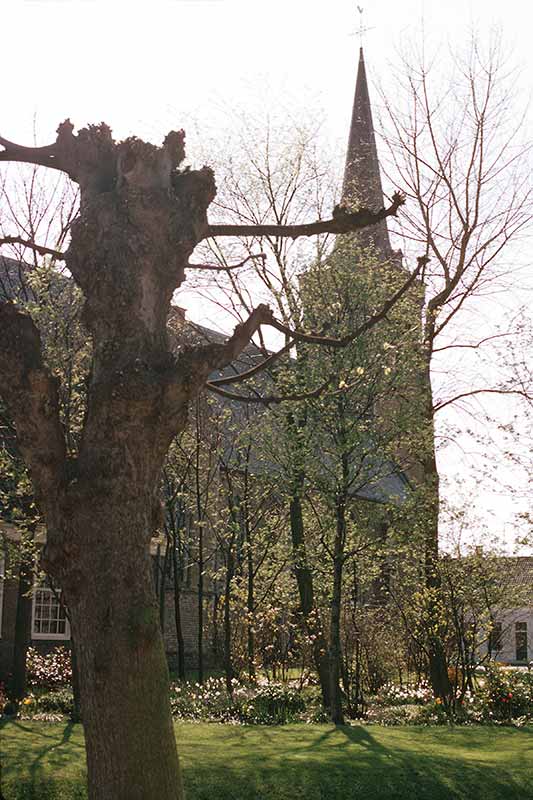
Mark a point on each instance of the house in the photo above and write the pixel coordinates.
(510, 640)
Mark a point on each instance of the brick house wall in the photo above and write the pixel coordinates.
(189, 615)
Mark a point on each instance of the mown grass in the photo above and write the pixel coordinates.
(316, 762)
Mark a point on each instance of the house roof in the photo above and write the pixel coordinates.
(516, 573)
(13, 285)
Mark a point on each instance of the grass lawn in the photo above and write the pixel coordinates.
(315, 762)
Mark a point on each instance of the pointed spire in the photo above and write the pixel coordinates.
(362, 178)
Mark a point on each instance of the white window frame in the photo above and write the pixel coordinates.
(39, 586)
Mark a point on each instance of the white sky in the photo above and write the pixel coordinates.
(144, 67)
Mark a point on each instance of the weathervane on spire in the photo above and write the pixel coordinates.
(362, 30)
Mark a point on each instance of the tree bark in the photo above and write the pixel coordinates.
(138, 224)
(124, 687)
(162, 588)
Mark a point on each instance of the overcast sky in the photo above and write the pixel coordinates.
(144, 67)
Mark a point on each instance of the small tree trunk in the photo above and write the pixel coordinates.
(19, 678)
(250, 604)
(438, 672)
(200, 604)
(180, 644)
(336, 713)
(228, 663)
(304, 580)
(163, 586)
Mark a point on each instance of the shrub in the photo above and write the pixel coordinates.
(51, 670)
(50, 706)
(272, 704)
(209, 701)
(264, 704)
(411, 693)
(506, 693)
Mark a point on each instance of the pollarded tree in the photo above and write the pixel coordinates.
(140, 219)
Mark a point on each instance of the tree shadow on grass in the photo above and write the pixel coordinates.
(358, 735)
(346, 763)
(40, 772)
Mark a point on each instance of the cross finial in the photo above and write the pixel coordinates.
(362, 30)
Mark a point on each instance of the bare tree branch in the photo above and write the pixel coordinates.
(520, 392)
(474, 345)
(243, 376)
(273, 399)
(48, 156)
(343, 221)
(209, 357)
(227, 267)
(43, 251)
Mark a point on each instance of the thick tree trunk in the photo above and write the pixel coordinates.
(19, 678)
(304, 580)
(131, 752)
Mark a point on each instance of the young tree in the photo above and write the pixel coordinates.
(140, 219)
(457, 154)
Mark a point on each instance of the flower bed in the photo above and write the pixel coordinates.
(258, 704)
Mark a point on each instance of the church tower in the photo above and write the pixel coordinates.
(362, 176)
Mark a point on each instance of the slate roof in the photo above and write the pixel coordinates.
(516, 573)
(13, 286)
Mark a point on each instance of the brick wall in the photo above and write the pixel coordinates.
(189, 622)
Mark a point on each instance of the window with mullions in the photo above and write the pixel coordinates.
(521, 641)
(49, 614)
